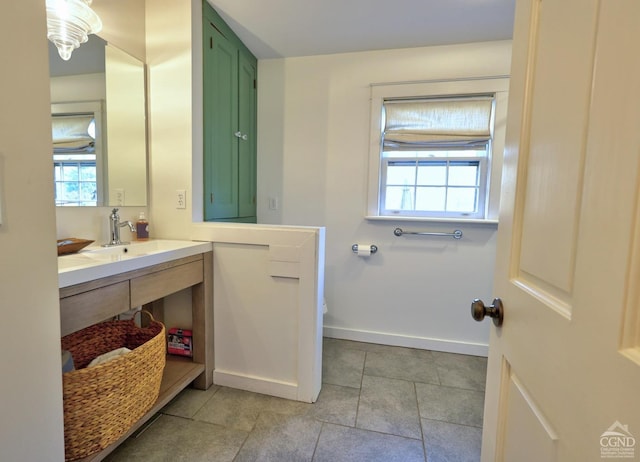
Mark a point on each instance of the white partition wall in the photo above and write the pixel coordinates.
(268, 284)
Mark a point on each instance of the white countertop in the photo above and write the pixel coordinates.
(96, 262)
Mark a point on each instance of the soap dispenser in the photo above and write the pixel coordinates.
(142, 228)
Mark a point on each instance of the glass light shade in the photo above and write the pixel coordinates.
(69, 22)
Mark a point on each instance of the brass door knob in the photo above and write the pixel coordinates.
(495, 311)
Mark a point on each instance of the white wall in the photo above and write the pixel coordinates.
(74, 88)
(169, 51)
(31, 427)
(123, 24)
(313, 123)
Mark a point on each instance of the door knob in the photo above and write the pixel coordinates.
(240, 135)
(495, 311)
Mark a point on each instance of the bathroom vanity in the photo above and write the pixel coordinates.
(99, 283)
(264, 319)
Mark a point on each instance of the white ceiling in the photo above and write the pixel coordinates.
(287, 28)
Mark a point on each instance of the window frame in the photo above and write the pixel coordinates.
(498, 86)
(480, 211)
(94, 108)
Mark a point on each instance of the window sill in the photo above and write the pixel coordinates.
(474, 221)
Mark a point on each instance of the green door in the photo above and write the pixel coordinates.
(247, 141)
(220, 126)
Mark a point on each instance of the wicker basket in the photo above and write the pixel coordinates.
(102, 402)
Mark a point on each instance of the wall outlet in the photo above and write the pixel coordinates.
(119, 193)
(181, 199)
(273, 203)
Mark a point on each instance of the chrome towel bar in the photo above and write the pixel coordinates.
(456, 234)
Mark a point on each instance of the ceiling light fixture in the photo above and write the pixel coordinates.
(69, 22)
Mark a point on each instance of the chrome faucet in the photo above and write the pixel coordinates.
(114, 228)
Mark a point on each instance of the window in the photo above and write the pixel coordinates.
(75, 180)
(432, 150)
(76, 149)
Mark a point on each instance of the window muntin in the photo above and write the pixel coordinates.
(434, 183)
(75, 180)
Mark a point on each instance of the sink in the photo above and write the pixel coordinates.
(134, 249)
(66, 262)
(95, 262)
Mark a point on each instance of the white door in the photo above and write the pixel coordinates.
(563, 378)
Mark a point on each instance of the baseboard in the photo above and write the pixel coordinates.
(256, 384)
(423, 343)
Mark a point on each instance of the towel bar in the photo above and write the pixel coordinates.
(456, 234)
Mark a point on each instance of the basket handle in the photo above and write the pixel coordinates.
(151, 318)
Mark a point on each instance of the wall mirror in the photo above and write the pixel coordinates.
(99, 126)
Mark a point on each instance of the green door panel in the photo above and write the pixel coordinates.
(229, 123)
(220, 124)
(247, 147)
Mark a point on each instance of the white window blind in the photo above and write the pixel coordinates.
(433, 122)
(73, 132)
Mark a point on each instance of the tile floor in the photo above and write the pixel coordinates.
(378, 403)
